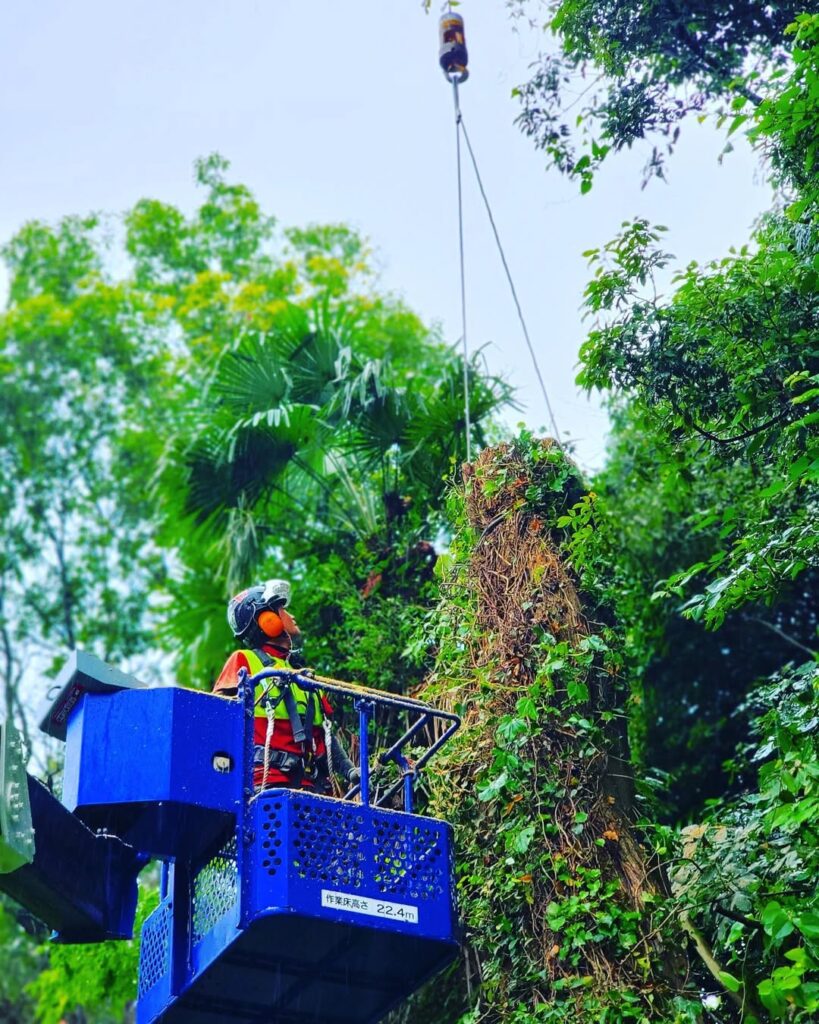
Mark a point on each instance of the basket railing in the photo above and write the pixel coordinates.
(423, 719)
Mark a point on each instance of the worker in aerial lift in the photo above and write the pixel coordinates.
(292, 726)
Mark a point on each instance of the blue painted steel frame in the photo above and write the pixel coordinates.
(284, 905)
(314, 909)
(364, 891)
(365, 704)
(82, 885)
(140, 763)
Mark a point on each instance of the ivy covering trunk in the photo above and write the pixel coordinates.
(562, 895)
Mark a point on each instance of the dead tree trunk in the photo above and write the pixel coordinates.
(566, 913)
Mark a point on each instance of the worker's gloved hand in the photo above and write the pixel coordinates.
(295, 659)
(354, 775)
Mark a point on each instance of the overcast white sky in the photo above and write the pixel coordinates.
(336, 110)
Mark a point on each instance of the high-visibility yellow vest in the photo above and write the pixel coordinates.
(301, 697)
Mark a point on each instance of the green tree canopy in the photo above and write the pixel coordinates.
(703, 530)
(628, 70)
(191, 402)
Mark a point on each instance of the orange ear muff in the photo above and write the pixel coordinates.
(270, 623)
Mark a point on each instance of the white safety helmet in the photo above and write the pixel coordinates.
(245, 606)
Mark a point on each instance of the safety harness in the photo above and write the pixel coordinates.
(296, 765)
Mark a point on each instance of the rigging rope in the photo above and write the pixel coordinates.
(453, 58)
(460, 125)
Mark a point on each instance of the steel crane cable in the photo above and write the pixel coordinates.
(453, 58)
(461, 127)
(458, 124)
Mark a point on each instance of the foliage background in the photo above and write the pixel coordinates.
(243, 397)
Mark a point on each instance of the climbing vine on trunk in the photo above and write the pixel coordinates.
(562, 895)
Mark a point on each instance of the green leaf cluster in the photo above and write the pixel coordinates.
(748, 871)
(627, 71)
(101, 977)
(703, 538)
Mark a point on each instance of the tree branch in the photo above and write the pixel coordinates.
(781, 633)
(741, 998)
(732, 915)
(58, 540)
(739, 437)
(695, 47)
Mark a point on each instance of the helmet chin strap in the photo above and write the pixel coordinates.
(287, 651)
(292, 653)
(295, 656)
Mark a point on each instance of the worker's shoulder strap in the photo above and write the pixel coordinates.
(258, 659)
(263, 657)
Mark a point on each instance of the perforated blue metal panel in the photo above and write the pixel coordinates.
(410, 857)
(328, 841)
(215, 909)
(342, 861)
(330, 914)
(215, 891)
(155, 949)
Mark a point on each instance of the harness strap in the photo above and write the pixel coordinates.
(310, 719)
(301, 729)
(283, 760)
(296, 723)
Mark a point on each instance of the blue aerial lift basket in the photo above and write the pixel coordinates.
(335, 913)
(274, 907)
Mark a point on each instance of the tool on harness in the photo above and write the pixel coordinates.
(452, 54)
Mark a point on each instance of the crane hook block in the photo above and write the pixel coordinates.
(452, 55)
